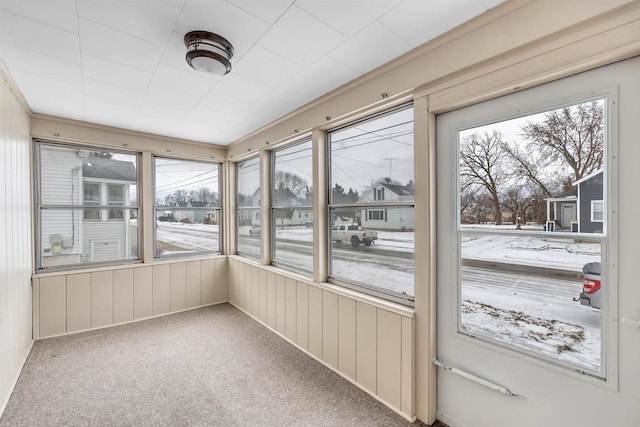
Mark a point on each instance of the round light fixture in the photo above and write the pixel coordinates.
(208, 52)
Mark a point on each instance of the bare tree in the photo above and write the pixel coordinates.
(482, 164)
(573, 135)
(516, 200)
(533, 167)
(292, 182)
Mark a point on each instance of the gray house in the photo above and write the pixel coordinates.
(580, 209)
(590, 202)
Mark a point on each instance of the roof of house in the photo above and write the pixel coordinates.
(588, 177)
(117, 170)
(566, 196)
(199, 204)
(283, 196)
(400, 190)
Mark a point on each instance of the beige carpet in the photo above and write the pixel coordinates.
(212, 366)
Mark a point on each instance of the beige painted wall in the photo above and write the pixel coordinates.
(15, 237)
(367, 341)
(81, 300)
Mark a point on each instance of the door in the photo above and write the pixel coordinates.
(568, 215)
(513, 347)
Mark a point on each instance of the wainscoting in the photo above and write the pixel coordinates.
(89, 299)
(367, 341)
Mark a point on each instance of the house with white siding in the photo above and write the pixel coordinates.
(387, 218)
(71, 236)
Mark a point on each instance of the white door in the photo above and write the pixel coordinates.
(514, 348)
(568, 215)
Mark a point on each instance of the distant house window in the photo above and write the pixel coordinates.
(597, 211)
(115, 197)
(91, 196)
(375, 215)
(378, 194)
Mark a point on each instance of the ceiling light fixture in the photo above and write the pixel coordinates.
(208, 52)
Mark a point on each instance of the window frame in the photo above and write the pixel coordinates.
(115, 205)
(362, 287)
(91, 203)
(272, 208)
(249, 209)
(40, 207)
(601, 210)
(604, 238)
(186, 208)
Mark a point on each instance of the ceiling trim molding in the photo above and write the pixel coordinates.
(77, 132)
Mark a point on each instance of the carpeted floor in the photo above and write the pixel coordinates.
(212, 366)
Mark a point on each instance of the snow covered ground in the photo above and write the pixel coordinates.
(525, 310)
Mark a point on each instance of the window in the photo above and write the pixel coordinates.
(115, 198)
(527, 253)
(375, 215)
(91, 191)
(597, 211)
(371, 205)
(187, 207)
(76, 189)
(248, 207)
(291, 196)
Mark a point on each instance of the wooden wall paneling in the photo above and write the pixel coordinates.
(142, 292)
(192, 284)
(366, 346)
(247, 288)
(315, 321)
(255, 291)
(271, 299)
(53, 311)
(221, 280)
(302, 315)
(122, 295)
(231, 268)
(177, 287)
(35, 313)
(101, 299)
(78, 302)
(408, 370)
(330, 328)
(389, 351)
(281, 299)
(347, 337)
(263, 296)
(207, 278)
(161, 289)
(290, 309)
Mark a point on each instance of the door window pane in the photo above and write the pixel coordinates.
(532, 216)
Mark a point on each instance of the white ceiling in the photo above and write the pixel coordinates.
(121, 63)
